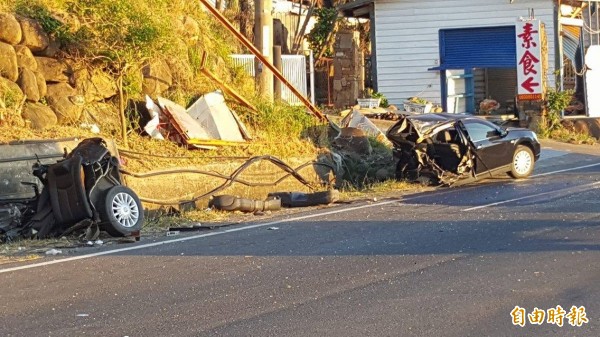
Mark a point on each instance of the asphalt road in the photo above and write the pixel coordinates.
(452, 262)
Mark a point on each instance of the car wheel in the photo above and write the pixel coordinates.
(522, 163)
(123, 211)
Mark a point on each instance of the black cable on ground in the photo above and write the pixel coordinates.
(42, 156)
(229, 180)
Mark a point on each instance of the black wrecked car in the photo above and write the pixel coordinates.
(82, 192)
(442, 148)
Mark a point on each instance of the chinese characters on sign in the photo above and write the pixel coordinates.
(557, 316)
(529, 60)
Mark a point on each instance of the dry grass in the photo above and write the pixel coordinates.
(185, 186)
(380, 189)
(572, 136)
(278, 130)
(159, 221)
(19, 258)
(27, 250)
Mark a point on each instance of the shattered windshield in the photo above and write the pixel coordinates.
(424, 123)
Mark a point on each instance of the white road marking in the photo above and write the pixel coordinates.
(237, 229)
(155, 244)
(548, 153)
(565, 170)
(576, 188)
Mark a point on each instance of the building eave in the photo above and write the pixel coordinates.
(356, 9)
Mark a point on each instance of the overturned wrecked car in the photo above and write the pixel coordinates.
(446, 148)
(81, 192)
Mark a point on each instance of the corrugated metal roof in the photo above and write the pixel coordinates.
(571, 41)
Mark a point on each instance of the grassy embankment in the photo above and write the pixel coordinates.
(118, 37)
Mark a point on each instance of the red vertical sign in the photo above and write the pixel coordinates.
(529, 60)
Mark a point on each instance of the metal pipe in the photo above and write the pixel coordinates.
(277, 63)
(313, 109)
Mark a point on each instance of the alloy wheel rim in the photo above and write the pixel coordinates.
(522, 162)
(125, 209)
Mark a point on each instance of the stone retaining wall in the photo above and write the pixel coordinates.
(54, 87)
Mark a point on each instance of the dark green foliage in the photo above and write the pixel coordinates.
(326, 18)
(557, 101)
(38, 11)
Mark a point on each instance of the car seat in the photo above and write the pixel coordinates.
(447, 153)
(67, 192)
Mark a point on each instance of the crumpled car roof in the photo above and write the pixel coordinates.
(424, 122)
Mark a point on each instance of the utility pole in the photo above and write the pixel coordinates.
(263, 40)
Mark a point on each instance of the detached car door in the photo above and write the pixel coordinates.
(492, 150)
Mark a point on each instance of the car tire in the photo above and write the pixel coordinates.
(522, 163)
(123, 212)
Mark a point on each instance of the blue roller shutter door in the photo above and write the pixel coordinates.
(469, 48)
(486, 47)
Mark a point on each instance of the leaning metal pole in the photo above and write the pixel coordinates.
(313, 109)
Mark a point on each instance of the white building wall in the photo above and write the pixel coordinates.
(407, 38)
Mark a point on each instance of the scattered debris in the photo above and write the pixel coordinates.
(80, 193)
(180, 127)
(92, 127)
(388, 115)
(359, 121)
(207, 123)
(272, 228)
(233, 203)
(194, 228)
(173, 233)
(152, 127)
(186, 206)
(300, 199)
(95, 243)
(211, 112)
(53, 252)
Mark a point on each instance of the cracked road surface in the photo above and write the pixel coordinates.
(450, 262)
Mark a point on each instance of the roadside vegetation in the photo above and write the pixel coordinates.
(554, 127)
(120, 37)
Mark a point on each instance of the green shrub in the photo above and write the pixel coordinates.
(281, 120)
(326, 18)
(361, 171)
(556, 102)
(384, 101)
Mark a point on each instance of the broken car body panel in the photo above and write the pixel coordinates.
(83, 189)
(444, 148)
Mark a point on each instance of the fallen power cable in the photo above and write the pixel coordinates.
(229, 180)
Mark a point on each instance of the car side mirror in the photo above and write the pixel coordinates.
(493, 134)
